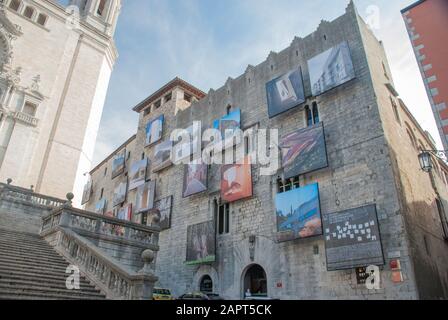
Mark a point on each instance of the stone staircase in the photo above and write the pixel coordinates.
(31, 269)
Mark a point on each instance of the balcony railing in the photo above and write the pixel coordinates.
(26, 118)
(9, 192)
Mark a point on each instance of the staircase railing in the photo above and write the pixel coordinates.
(10, 192)
(63, 228)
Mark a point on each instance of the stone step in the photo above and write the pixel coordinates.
(44, 267)
(41, 244)
(6, 267)
(14, 295)
(15, 275)
(19, 233)
(31, 255)
(23, 289)
(32, 260)
(20, 237)
(57, 284)
(26, 249)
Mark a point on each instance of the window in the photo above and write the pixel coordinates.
(102, 193)
(29, 12)
(411, 136)
(168, 97)
(228, 109)
(29, 109)
(385, 70)
(187, 97)
(101, 7)
(147, 111)
(105, 171)
(143, 156)
(42, 19)
(312, 115)
(15, 5)
(223, 218)
(288, 185)
(157, 104)
(315, 113)
(395, 107)
(129, 155)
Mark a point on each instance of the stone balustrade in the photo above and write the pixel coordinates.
(69, 229)
(26, 118)
(13, 193)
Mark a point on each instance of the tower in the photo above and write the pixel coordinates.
(56, 64)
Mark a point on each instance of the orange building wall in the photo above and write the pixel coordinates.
(427, 24)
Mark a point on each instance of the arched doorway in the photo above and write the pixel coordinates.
(206, 284)
(255, 281)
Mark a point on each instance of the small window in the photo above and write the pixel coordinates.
(143, 156)
(395, 108)
(223, 218)
(29, 109)
(129, 155)
(228, 109)
(316, 118)
(288, 185)
(168, 97)
(102, 193)
(147, 111)
(42, 19)
(157, 104)
(309, 116)
(29, 12)
(15, 5)
(105, 171)
(187, 97)
(101, 7)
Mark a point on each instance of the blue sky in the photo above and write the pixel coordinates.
(206, 41)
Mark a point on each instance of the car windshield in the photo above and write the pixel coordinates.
(162, 291)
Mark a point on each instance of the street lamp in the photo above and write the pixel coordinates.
(425, 161)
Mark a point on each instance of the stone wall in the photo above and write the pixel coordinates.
(362, 157)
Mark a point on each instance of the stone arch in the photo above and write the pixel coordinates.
(254, 278)
(203, 271)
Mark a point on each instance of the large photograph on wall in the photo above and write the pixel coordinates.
(285, 92)
(195, 179)
(162, 156)
(303, 151)
(154, 130)
(352, 239)
(120, 191)
(298, 213)
(201, 244)
(119, 163)
(87, 192)
(236, 181)
(137, 174)
(183, 150)
(229, 123)
(165, 206)
(125, 213)
(100, 206)
(331, 69)
(144, 200)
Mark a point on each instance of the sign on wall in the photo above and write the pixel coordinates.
(195, 179)
(87, 192)
(120, 191)
(303, 151)
(125, 213)
(100, 206)
(285, 92)
(331, 69)
(154, 130)
(229, 123)
(352, 239)
(298, 213)
(137, 174)
(119, 163)
(236, 181)
(162, 156)
(201, 243)
(145, 197)
(165, 209)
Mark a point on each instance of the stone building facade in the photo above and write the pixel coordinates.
(56, 63)
(372, 142)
